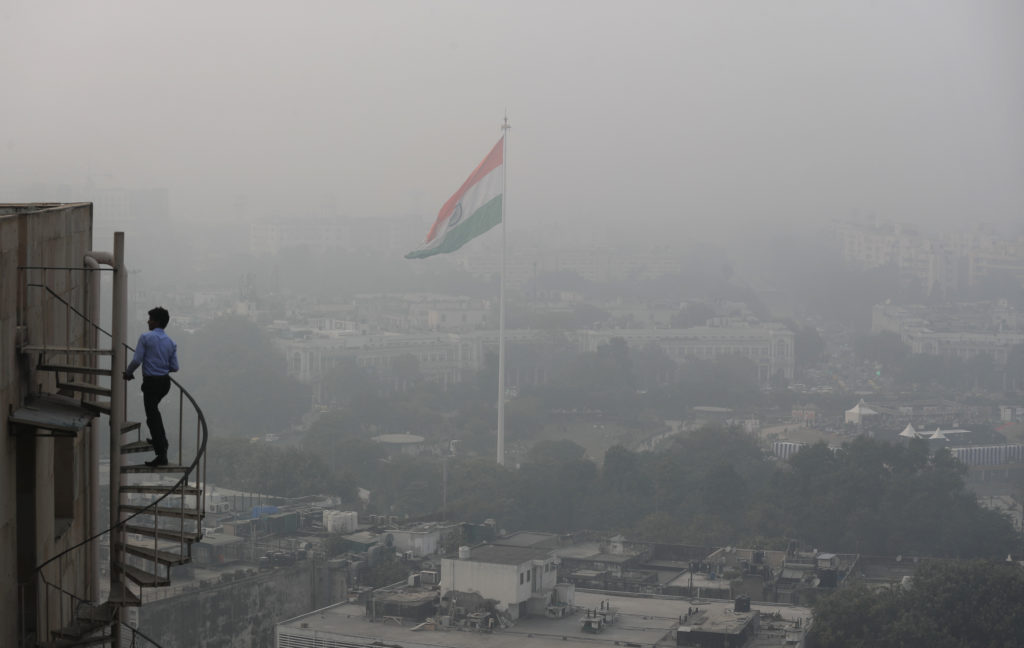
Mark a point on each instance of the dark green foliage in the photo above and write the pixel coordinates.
(884, 348)
(281, 471)
(887, 500)
(716, 487)
(808, 347)
(602, 380)
(948, 604)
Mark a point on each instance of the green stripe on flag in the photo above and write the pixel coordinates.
(479, 222)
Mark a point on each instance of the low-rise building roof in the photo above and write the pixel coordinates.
(640, 621)
(506, 555)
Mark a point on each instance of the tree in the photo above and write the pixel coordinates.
(282, 471)
(808, 347)
(884, 348)
(883, 499)
(347, 383)
(555, 452)
(405, 371)
(948, 605)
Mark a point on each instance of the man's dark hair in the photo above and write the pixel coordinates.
(160, 316)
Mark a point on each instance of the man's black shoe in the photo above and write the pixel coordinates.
(158, 461)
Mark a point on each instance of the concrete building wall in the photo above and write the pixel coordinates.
(509, 584)
(37, 235)
(769, 347)
(535, 579)
(242, 612)
(499, 582)
(420, 543)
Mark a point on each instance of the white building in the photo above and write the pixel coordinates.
(521, 579)
(962, 331)
(440, 356)
(421, 540)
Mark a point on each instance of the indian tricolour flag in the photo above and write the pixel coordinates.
(471, 211)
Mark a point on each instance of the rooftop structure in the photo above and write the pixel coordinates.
(638, 622)
(520, 579)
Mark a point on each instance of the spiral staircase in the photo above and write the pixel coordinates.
(156, 513)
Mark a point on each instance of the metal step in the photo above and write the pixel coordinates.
(188, 513)
(157, 556)
(130, 426)
(100, 407)
(79, 629)
(121, 595)
(85, 388)
(145, 578)
(74, 369)
(136, 446)
(102, 639)
(143, 468)
(102, 612)
(164, 534)
(160, 489)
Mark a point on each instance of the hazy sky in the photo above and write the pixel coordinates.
(703, 115)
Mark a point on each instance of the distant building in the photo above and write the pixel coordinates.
(521, 579)
(396, 444)
(989, 455)
(786, 449)
(935, 265)
(768, 346)
(961, 331)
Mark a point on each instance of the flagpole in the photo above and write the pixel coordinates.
(501, 296)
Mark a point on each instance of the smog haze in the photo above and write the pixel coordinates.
(688, 117)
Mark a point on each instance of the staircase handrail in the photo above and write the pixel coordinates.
(183, 481)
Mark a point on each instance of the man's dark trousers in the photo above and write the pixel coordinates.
(154, 388)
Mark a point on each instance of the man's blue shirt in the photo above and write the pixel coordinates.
(157, 353)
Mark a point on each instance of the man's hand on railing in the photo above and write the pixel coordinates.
(127, 376)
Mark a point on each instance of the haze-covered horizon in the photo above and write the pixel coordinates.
(694, 119)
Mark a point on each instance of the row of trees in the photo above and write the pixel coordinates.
(277, 470)
(956, 374)
(947, 605)
(713, 487)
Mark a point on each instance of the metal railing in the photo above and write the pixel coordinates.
(59, 607)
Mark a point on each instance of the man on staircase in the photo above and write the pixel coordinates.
(158, 356)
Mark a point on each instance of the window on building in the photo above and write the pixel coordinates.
(527, 577)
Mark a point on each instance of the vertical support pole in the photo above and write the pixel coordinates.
(118, 333)
(90, 337)
(501, 296)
